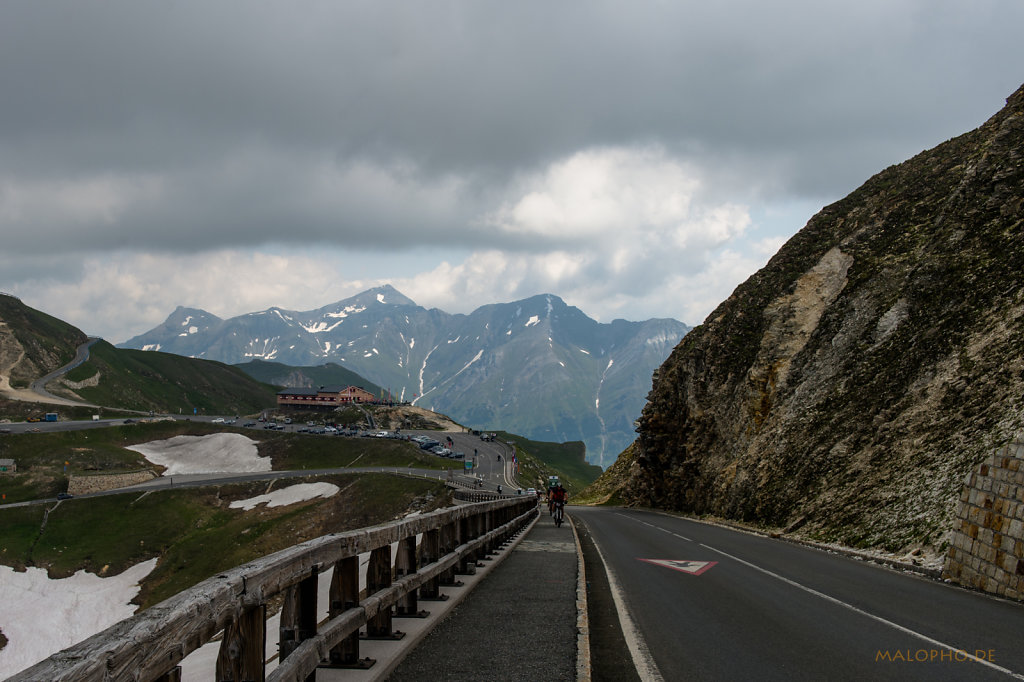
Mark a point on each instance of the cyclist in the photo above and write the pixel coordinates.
(551, 499)
(557, 499)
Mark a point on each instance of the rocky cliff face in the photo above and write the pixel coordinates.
(852, 384)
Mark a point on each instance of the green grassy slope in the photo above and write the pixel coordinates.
(329, 374)
(540, 459)
(195, 533)
(162, 382)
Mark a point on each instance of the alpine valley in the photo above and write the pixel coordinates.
(537, 367)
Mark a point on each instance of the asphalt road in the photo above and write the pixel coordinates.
(742, 606)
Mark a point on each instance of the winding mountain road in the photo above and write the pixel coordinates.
(37, 390)
(39, 385)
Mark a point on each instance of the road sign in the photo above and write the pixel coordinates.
(682, 565)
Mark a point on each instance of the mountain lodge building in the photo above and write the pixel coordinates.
(324, 397)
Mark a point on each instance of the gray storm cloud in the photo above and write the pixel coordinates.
(191, 127)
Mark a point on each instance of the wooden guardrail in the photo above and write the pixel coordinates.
(150, 645)
(466, 495)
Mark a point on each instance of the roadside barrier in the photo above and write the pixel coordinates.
(150, 645)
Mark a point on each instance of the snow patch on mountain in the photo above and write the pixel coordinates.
(344, 312)
(320, 327)
(476, 357)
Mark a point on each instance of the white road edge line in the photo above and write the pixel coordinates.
(642, 660)
(872, 616)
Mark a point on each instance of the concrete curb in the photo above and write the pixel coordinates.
(582, 614)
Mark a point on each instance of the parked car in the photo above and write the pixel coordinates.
(64, 496)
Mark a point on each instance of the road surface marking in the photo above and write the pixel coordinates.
(872, 616)
(653, 526)
(641, 655)
(682, 565)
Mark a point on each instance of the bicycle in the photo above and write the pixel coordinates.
(559, 513)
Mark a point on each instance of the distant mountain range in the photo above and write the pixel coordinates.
(536, 367)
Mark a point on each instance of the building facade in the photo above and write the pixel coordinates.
(323, 398)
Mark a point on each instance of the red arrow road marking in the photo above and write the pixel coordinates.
(682, 565)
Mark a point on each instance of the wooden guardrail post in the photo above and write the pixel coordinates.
(344, 595)
(449, 541)
(406, 564)
(298, 615)
(467, 564)
(378, 577)
(242, 656)
(489, 524)
(430, 551)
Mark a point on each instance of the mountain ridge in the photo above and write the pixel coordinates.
(536, 366)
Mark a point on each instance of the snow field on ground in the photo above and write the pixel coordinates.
(212, 454)
(41, 616)
(299, 492)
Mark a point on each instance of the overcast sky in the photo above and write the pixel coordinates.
(639, 159)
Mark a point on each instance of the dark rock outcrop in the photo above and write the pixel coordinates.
(855, 381)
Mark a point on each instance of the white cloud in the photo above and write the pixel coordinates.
(598, 193)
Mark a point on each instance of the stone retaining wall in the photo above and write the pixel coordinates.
(94, 380)
(987, 550)
(95, 483)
